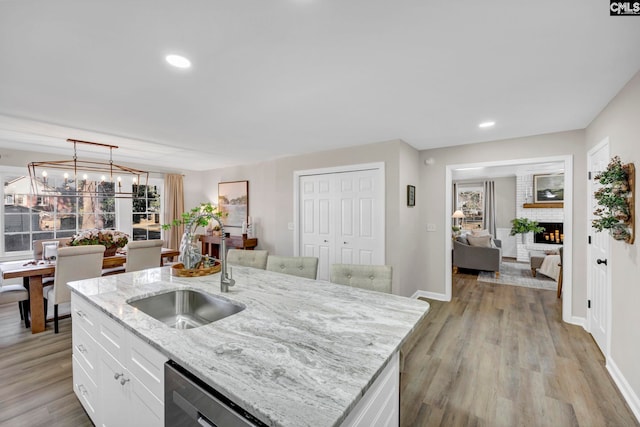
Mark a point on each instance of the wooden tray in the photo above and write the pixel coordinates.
(179, 270)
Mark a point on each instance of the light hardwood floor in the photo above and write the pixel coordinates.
(501, 356)
(494, 356)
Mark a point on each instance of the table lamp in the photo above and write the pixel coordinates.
(458, 215)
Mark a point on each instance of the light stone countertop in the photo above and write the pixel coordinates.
(302, 353)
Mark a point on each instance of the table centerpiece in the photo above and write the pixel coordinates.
(112, 240)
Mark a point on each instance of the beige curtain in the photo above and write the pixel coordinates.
(174, 207)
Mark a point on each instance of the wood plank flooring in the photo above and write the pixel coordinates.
(501, 356)
(35, 375)
(494, 356)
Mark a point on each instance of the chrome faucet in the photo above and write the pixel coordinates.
(226, 279)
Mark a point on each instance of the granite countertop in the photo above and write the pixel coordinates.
(302, 353)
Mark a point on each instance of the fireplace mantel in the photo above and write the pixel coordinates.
(543, 205)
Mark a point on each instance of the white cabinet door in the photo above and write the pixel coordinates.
(341, 218)
(114, 392)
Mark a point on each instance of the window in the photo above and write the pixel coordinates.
(146, 212)
(26, 218)
(470, 200)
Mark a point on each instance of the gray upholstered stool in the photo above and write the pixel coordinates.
(536, 258)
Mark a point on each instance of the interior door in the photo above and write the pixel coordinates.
(341, 218)
(316, 213)
(599, 262)
(359, 225)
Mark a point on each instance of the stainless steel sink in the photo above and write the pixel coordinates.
(186, 309)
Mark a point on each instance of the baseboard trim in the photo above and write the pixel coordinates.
(579, 321)
(430, 295)
(623, 385)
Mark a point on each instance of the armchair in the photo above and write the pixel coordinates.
(476, 257)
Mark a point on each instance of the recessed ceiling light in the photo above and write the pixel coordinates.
(178, 61)
(486, 124)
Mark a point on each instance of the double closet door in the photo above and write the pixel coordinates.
(341, 218)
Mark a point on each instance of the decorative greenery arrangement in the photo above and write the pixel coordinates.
(200, 216)
(106, 238)
(615, 200)
(524, 226)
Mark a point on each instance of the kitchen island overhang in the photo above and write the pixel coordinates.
(303, 352)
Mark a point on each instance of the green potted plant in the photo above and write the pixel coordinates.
(613, 211)
(524, 226)
(200, 216)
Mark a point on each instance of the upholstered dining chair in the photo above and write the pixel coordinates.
(300, 266)
(73, 263)
(11, 293)
(372, 277)
(244, 258)
(143, 254)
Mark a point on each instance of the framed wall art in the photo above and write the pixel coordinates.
(411, 195)
(233, 200)
(548, 188)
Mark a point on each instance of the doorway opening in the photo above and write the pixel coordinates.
(516, 167)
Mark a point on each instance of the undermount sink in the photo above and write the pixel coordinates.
(186, 309)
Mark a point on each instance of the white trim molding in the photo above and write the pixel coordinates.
(430, 295)
(623, 385)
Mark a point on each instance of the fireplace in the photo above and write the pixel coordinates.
(553, 233)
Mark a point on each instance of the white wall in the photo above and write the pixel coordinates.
(271, 199)
(620, 121)
(432, 188)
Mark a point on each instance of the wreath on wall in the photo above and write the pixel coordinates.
(615, 200)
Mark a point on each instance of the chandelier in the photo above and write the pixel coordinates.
(75, 177)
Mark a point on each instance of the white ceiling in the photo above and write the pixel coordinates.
(272, 78)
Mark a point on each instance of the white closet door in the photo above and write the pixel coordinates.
(360, 225)
(341, 218)
(317, 220)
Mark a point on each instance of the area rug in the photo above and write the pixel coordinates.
(518, 274)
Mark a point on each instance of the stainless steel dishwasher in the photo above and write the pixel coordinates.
(188, 401)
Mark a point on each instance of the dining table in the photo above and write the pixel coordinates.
(32, 273)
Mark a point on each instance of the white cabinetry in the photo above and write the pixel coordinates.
(118, 378)
(380, 406)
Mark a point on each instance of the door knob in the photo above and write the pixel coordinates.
(602, 261)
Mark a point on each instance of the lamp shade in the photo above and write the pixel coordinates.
(458, 214)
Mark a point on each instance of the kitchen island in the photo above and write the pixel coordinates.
(302, 352)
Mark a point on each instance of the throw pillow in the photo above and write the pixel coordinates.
(462, 239)
(480, 241)
(478, 233)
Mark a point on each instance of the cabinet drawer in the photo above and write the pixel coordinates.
(85, 350)
(147, 364)
(84, 314)
(112, 337)
(86, 390)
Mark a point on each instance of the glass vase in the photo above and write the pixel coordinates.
(190, 251)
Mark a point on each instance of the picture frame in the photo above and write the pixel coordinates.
(548, 188)
(50, 250)
(411, 195)
(233, 200)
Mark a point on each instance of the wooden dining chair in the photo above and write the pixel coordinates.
(143, 254)
(73, 263)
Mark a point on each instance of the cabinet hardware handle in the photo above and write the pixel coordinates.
(117, 375)
(326, 241)
(602, 261)
(81, 348)
(344, 243)
(123, 381)
(80, 313)
(82, 389)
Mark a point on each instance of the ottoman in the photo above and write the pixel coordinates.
(536, 258)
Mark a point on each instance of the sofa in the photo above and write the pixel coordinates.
(467, 255)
